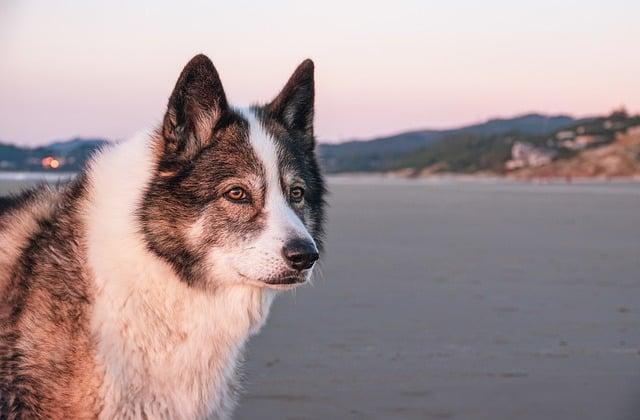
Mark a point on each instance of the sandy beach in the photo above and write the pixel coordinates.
(460, 300)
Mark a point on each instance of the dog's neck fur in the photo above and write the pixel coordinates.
(167, 350)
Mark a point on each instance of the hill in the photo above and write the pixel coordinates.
(519, 152)
(388, 153)
(619, 158)
(67, 155)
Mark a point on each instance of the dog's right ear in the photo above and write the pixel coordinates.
(196, 104)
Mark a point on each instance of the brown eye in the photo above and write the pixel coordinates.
(296, 194)
(237, 194)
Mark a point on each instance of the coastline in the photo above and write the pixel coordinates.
(484, 178)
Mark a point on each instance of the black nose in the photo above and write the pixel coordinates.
(300, 254)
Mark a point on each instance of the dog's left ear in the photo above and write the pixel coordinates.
(293, 107)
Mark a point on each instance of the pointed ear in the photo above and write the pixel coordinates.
(293, 107)
(196, 104)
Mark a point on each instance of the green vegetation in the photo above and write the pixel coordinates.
(462, 153)
(415, 149)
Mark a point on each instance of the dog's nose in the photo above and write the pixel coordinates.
(300, 254)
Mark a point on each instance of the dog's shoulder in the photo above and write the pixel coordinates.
(45, 350)
(20, 215)
(26, 200)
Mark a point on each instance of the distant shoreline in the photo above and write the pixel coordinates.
(476, 178)
(36, 176)
(368, 177)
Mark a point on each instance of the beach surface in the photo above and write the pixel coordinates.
(449, 299)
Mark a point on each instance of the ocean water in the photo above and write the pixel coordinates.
(13, 182)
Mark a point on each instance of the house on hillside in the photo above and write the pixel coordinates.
(527, 155)
(565, 135)
(585, 140)
(596, 132)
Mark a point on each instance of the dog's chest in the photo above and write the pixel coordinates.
(173, 354)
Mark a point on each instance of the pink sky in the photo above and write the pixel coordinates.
(106, 68)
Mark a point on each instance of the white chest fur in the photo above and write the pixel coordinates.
(173, 353)
(166, 349)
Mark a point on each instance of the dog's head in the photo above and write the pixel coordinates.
(237, 195)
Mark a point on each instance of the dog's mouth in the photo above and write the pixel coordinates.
(282, 282)
(286, 281)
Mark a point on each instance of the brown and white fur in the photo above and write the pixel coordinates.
(130, 292)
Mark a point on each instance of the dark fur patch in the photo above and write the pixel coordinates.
(296, 157)
(12, 202)
(196, 104)
(289, 120)
(46, 303)
(293, 107)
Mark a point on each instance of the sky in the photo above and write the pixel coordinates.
(106, 68)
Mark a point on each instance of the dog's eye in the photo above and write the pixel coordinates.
(296, 194)
(237, 194)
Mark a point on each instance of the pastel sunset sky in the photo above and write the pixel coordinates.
(106, 68)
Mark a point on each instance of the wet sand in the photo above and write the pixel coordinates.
(460, 300)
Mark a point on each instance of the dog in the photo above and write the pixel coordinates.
(131, 291)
